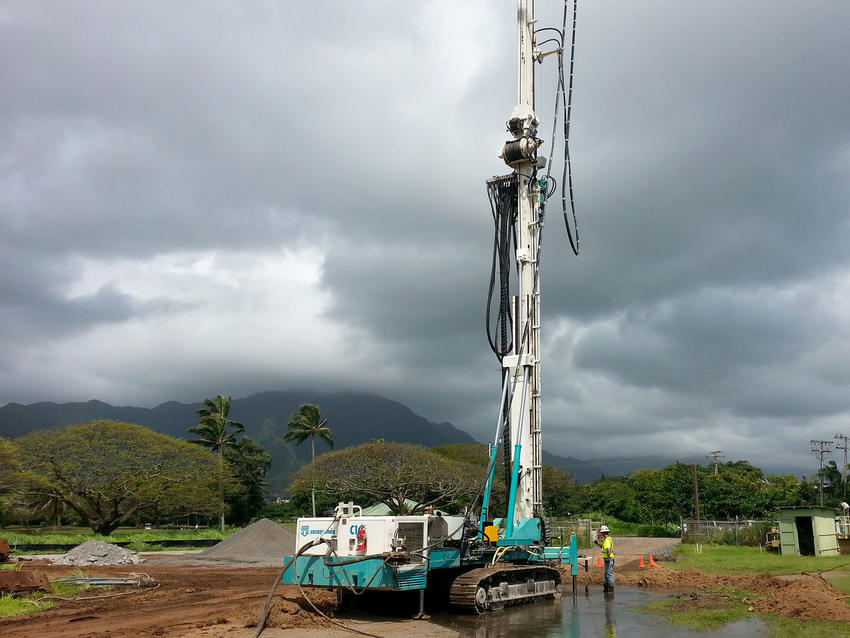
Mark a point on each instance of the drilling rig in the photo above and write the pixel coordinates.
(484, 562)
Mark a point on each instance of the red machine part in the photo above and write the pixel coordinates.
(361, 539)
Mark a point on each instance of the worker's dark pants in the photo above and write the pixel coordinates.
(609, 571)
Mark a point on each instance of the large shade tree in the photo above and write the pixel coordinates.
(110, 472)
(9, 464)
(393, 474)
(308, 423)
(217, 431)
(561, 492)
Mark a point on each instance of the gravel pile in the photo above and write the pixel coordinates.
(98, 553)
(264, 543)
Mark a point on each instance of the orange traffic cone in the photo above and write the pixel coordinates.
(599, 561)
(652, 563)
(641, 562)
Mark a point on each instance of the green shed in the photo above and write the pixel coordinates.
(808, 531)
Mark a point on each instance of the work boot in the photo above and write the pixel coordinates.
(604, 588)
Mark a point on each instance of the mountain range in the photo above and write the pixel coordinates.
(353, 418)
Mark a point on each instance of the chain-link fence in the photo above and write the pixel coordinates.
(560, 530)
(729, 532)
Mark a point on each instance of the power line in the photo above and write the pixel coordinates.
(820, 448)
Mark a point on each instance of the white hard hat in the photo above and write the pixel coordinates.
(604, 528)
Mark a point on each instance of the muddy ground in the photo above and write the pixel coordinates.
(804, 596)
(194, 600)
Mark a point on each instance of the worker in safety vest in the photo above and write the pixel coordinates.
(607, 545)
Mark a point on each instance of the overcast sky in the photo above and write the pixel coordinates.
(232, 197)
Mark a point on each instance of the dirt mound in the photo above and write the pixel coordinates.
(807, 598)
(264, 543)
(690, 579)
(98, 553)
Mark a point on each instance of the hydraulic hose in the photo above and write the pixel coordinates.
(261, 622)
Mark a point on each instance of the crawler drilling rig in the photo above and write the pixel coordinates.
(484, 562)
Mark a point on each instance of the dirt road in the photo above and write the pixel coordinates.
(214, 601)
(629, 549)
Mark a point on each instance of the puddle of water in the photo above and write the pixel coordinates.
(593, 616)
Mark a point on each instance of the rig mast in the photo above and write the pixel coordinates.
(521, 369)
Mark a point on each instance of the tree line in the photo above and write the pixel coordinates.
(664, 496)
(408, 479)
(105, 474)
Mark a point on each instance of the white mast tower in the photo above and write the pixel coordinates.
(522, 366)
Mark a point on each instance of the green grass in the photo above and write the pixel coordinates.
(30, 603)
(731, 559)
(13, 605)
(839, 580)
(738, 559)
(779, 627)
(728, 607)
(718, 613)
(132, 535)
(139, 538)
(15, 566)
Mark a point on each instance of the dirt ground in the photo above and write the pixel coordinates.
(197, 600)
(190, 601)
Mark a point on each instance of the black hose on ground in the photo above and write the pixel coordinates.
(261, 622)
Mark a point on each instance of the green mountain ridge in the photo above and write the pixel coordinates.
(353, 417)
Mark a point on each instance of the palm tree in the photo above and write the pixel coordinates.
(212, 427)
(52, 503)
(307, 422)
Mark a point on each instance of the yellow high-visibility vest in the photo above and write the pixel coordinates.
(608, 547)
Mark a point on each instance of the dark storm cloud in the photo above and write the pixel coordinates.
(713, 161)
(161, 164)
(755, 352)
(34, 304)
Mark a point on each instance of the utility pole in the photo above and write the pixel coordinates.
(820, 448)
(715, 455)
(843, 437)
(696, 495)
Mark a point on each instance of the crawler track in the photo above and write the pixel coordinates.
(491, 588)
